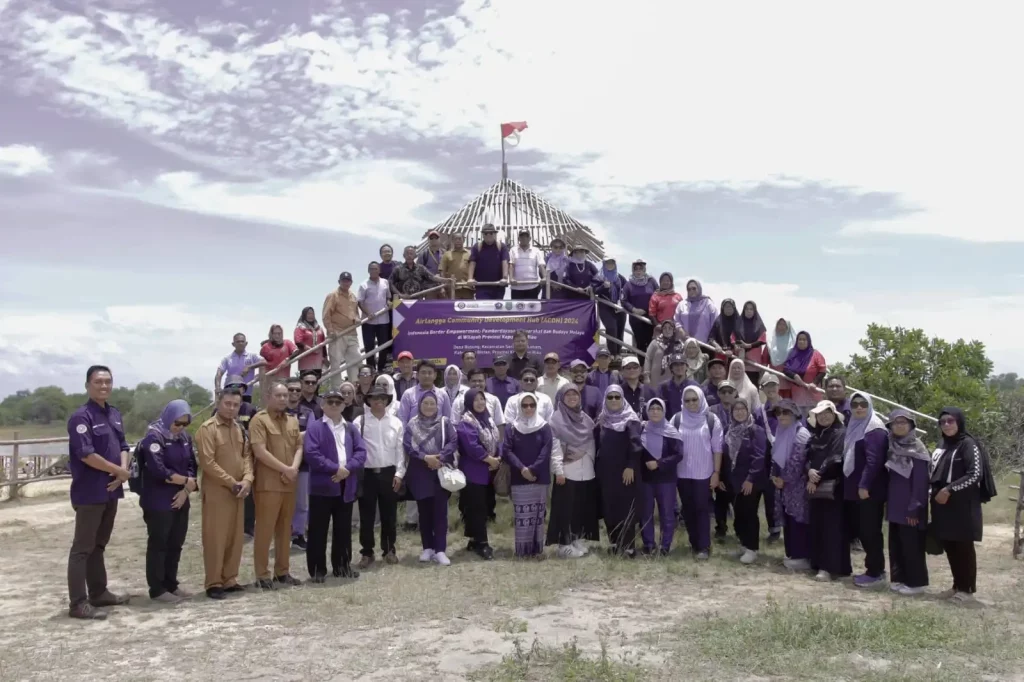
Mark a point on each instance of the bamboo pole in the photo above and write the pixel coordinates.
(362, 357)
(620, 342)
(15, 471)
(1018, 540)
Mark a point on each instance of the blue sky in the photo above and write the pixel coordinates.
(173, 172)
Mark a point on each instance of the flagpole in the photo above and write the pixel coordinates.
(504, 166)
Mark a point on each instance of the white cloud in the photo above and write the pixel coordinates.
(20, 160)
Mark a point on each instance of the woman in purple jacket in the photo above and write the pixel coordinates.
(430, 443)
(746, 445)
(789, 476)
(662, 451)
(479, 455)
(909, 464)
(528, 451)
(334, 451)
(168, 475)
(865, 485)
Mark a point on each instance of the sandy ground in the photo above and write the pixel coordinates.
(405, 622)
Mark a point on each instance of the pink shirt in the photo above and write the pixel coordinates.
(815, 368)
(308, 338)
(275, 357)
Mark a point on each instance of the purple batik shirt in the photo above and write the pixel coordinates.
(409, 404)
(93, 429)
(234, 363)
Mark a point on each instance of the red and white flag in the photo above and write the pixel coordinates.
(512, 129)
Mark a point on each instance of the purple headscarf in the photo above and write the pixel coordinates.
(619, 419)
(696, 307)
(856, 430)
(785, 436)
(798, 360)
(654, 433)
(172, 412)
(572, 426)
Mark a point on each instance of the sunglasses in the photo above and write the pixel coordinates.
(528, 380)
(613, 397)
(295, 390)
(181, 423)
(334, 401)
(858, 403)
(947, 420)
(529, 406)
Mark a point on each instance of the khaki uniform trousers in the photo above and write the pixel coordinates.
(223, 516)
(274, 512)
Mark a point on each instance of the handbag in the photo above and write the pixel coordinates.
(452, 479)
(503, 480)
(826, 490)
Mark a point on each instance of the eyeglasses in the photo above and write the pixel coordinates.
(181, 423)
(334, 402)
(613, 397)
(309, 382)
(947, 420)
(858, 403)
(528, 380)
(295, 390)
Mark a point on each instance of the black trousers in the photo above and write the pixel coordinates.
(524, 294)
(723, 500)
(336, 514)
(375, 335)
(774, 525)
(748, 524)
(863, 520)
(378, 493)
(166, 535)
(473, 503)
(249, 516)
(963, 563)
(614, 324)
(907, 564)
(643, 333)
(87, 572)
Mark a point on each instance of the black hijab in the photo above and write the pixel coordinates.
(726, 325)
(950, 446)
(750, 330)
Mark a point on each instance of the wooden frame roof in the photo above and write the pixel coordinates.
(511, 207)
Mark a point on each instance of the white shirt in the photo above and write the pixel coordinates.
(383, 440)
(550, 387)
(545, 408)
(339, 438)
(580, 470)
(375, 297)
(525, 266)
(493, 408)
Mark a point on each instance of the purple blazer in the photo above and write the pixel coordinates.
(748, 464)
(421, 479)
(472, 453)
(530, 450)
(320, 450)
(869, 472)
(908, 497)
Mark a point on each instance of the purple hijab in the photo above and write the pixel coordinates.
(620, 418)
(798, 360)
(654, 434)
(572, 426)
(698, 309)
(173, 411)
(785, 436)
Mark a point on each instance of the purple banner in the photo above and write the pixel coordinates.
(439, 331)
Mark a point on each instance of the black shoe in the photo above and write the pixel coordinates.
(410, 527)
(299, 542)
(663, 551)
(287, 580)
(346, 572)
(264, 584)
(647, 551)
(235, 588)
(720, 534)
(485, 552)
(217, 593)
(318, 579)
(86, 611)
(108, 598)
(773, 538)
(472, 546)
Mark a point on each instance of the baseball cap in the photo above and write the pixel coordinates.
(405, 355)
(769, 378)
(432, 234)
(630, 360)
(726, 384)
(488, 228)
(346, 275)
(639, 261)
(578, 363)
(716, 361)
(676, 359)
(500, 360)
(603, 350)
(551, 356)
(332, 393)
(524, 231)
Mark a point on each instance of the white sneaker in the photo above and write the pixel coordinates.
(427, 555)
(749, 556)
(442, 559)
(823, 577)
(702, 556)
(566, 551)
(896, 587)
(910, 591)
(581, 547)
(963, 598)
(796, 564)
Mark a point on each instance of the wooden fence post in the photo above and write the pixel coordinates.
(1018, 539)
(15, 469)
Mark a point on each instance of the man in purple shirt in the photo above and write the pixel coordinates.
(239, 363)
(425, 374)
(501, 385)
(99, 466)
(488, 262)
(431, 258)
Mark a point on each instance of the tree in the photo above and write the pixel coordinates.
(195, 395)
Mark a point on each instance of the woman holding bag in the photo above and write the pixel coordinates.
(430, 443)
(830, 544)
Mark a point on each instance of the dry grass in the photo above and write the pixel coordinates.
(598, 618)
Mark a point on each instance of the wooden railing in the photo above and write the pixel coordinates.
(11, 465)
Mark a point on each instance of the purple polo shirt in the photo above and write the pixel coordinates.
(94, 430)
(488, 259)
(232, 365)
(386, 269)
(431, 260)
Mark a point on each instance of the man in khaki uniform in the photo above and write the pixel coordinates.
(226, 462)
(341, 311)
(455, 265)
(277, 445)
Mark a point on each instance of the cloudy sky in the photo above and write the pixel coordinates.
(174, 171)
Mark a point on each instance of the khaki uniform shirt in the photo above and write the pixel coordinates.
(281, 437)
(341, 311)
(455, 264)
(225, 457)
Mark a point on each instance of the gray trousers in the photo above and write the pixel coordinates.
(87, 574)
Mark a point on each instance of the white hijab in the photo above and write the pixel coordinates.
(528, 424)
(745, 388)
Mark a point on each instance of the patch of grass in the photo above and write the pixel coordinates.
(565, 663)
(511, 625)
(914, 641)
(1002, 508)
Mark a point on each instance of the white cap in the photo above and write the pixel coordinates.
(630, 360)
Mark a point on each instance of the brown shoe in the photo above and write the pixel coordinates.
(108, 598)
(86, 611)
(365, 562)
(390, 558)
